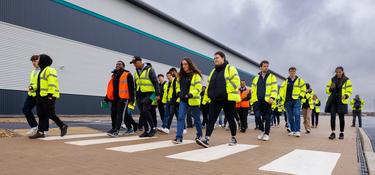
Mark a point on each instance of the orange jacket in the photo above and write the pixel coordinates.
(123, 89)
(245, 99)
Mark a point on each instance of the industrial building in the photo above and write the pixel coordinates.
(86, 38)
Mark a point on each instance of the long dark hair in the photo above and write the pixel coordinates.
(342, 80)
(192, 67)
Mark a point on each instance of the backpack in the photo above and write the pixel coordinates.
(357, 104)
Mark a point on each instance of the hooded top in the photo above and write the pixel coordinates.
(44, 61)
(217, 88)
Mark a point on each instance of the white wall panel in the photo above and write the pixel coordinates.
(82, 69)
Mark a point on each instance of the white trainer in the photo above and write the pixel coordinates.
(185, 131)
(260, 136)
(165, 130)
(266, 137)
(291, 134)
(32, 131)
(297, 134)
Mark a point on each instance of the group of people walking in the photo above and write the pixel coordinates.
(183, 94)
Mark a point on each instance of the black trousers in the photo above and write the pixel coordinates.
(263, 112)
(146, 116)
(129, 121)
(333, 119)
(229, 108)
(243, 113)
(236, 117)
(357, 113)
(27, 109)
(153, 114)
(118, 112)
(276, 118)
(204, 109)
(46, 110)
(315, 118)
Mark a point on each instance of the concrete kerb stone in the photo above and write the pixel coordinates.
(368, 150)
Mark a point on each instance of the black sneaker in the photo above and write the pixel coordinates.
(233, 141)
(341, 136)
(243, 130)
(114, 134)
(332, 136)
(144, 134)
(288, 130)
(135, 127)
(352, 125)
(308, 132)
(177, 141)
(203, 143)
(151, 133)
(37, 135)
(110, 131)
(63, 130)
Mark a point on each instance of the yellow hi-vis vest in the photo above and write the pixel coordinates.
(316, 107)
(308, 98)
(232, 83)
(33, 82)
(299, 89)
(347, 89)
(362, 104)
(168, 92)
(194, 89)
(271, 88)
(143, 81)
(277, 104)
(49, 83)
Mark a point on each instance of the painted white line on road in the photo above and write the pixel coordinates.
(106, 140)
(212, 153)
(304, 162)
(76, 136)
(148, 146)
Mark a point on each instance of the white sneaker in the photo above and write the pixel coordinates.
(45, 133)
(165, 130)
(185, 131)
(297, 134)
(266, 137)
(123, 126)
(260, 136)
(291, 134)
(32, 131)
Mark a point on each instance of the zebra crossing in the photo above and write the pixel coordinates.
(307, 160)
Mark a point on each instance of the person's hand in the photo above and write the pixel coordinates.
(333, 85)
(271, 101)
(345, 97)
(158, 98)
(190, 95)
(31, 88)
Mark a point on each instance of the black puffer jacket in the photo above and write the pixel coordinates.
(217, 88)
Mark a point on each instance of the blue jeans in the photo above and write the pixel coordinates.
(293, 110)
(166, 116)
(195, 111)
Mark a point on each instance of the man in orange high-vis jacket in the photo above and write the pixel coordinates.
(243, 106)
(120, 92)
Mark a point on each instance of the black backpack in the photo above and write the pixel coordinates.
(357, 104)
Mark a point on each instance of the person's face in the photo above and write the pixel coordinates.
(243, 83)
(170, 77)
(35, 63)
(161, 79)
(218, 60)
(138, 64)
(339, 73)
(185, 66)
(264, 67)
(119, 66)
(292, 73)
(314, 97)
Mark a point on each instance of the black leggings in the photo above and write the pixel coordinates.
(333, 121)
(229, 108)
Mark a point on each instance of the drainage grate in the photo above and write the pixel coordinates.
(361, 156)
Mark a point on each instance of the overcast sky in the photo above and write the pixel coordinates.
(314, 36)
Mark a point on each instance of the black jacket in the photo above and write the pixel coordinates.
(217, 88)
(44, 61)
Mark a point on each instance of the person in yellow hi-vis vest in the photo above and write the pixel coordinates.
(47, 91)
(147, 90)
(339, 89)
(222, 92)
(307, 107)
(357, 108)
(190, 80)
(264, 92)
(292, 90)
(315, 112)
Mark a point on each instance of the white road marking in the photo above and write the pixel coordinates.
(212, 153)
(106, 140)
(76, 136)
(304, 162)
(148, 146)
